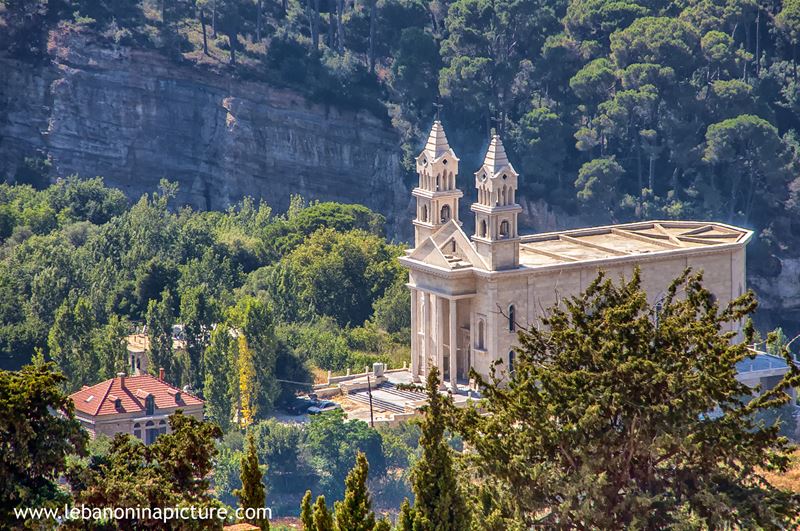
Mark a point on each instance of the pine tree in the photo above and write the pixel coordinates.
(382, 525)
(306, 512)
(323, 519)
(252, 495)
(354, 513)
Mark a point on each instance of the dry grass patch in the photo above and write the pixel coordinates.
(789, 480)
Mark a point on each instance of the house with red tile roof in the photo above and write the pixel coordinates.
(138, 405)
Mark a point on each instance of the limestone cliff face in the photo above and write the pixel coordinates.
(134, 117)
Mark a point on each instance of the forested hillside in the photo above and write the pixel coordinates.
(317, 287)
(612, 111)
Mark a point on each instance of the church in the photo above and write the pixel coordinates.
(470, 293)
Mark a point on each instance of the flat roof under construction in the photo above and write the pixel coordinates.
(615, 241)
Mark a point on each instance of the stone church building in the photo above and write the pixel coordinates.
(470, 293)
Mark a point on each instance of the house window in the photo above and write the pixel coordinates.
(162, 427)
(511, 319)
(481, 334)
(149, 405)
(511, 360)
(504, 229)
(137, 431)
(150, 432)
(445, 213)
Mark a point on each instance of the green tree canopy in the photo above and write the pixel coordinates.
(38, 430)
(620, 414)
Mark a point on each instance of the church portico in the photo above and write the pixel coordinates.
(469, 295)
(440, 337)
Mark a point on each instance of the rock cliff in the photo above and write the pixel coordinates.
(134, 117)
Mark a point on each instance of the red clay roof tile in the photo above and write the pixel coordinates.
(99, 399)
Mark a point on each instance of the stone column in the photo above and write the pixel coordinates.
(414, 335)
(453, 346)
(439, 338)
(426, 333)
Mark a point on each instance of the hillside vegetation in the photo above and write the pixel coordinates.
(614, 111)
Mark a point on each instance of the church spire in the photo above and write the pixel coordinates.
(437, 195)
(437, 141)
(496, 211)
(496, 158)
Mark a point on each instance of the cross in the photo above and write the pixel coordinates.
(498, 120)
(438, 110)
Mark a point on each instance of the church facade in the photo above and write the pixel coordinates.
(469, 294)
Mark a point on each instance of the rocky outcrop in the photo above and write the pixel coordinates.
(135, 117)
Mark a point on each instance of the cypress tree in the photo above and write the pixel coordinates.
(439, 504)
(252, 495)
(354, 513)
(323, 519)
(382, 525)
(405, 520)
(306, 512)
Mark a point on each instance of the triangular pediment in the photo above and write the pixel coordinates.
(448, 247)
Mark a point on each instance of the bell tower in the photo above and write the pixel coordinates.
(496, 238)
(437, 195)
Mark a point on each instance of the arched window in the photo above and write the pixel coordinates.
(504, 229)
(511, 318)
(511, 360)
(445, 213)
(149, 405)
(480, 334)
(137, 430)
(483, 228)
(453, 246)
(424, 212)
(438, 182)
(162, 427)
(503, 196)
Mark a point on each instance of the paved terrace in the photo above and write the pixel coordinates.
(390, 405)
(618, 241)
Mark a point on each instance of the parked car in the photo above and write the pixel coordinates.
(322, 406)
(300, 405)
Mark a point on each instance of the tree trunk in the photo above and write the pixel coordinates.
(214, 19)
(259, 9)
(734, 191)
(758, 42)
(313, 23)
(340, 26)
(372, 15)
(331, 30)
(750, 195)
(232, 45)
(203, 25)
(674, 185)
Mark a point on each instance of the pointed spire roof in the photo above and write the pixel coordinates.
(437, 141)
(496, 158)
